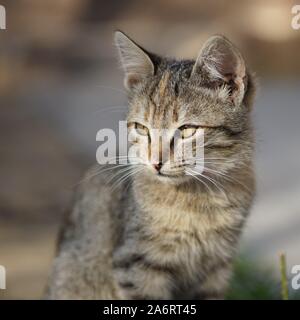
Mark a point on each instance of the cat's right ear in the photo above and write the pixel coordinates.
(221, 62)
(136, 63)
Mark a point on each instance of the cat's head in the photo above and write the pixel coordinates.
(212, 94)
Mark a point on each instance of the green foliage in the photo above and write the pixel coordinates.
(253, 282)
(284, 280)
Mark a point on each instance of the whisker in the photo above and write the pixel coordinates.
(227, 177)
(126, 176)
(195, 177)
(212, 181)
(94, 174)
(121, 158)
(119, 173)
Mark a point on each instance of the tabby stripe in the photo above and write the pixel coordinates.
(127, 285)
(128, 262)
(141, 262)
(157, 267)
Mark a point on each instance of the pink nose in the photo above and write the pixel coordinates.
(157, 166)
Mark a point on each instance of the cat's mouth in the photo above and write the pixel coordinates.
(168, 172)
(167, 175)
(170, 175)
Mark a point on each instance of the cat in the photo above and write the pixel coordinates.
(166, 234)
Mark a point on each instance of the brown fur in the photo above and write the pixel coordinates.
(169, 235)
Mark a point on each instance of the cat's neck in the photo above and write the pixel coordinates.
(151, 193)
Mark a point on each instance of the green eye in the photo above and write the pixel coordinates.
(141, 129)
(187, 131)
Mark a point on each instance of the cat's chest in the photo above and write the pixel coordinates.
(176, 236)
(181, 232)
(169, 218)
(172, 238)
(174, 230)
(177, 221)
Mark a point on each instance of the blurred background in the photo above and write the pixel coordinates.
(59, 84)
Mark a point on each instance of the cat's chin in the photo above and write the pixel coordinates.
(169, 178)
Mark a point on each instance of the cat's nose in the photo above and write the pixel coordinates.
(157, 166)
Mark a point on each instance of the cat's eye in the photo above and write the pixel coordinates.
(141, 129)
(187, 131)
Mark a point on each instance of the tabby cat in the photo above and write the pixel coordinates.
(166, 231)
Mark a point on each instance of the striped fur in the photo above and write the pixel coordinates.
(173, 237)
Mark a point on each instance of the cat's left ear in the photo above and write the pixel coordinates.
(220, 62)
(135, 61)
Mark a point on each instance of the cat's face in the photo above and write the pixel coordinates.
(187, 118)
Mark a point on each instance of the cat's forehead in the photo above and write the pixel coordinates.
(160, 106)
(171, 76)
(170, 99)
(159, 103)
